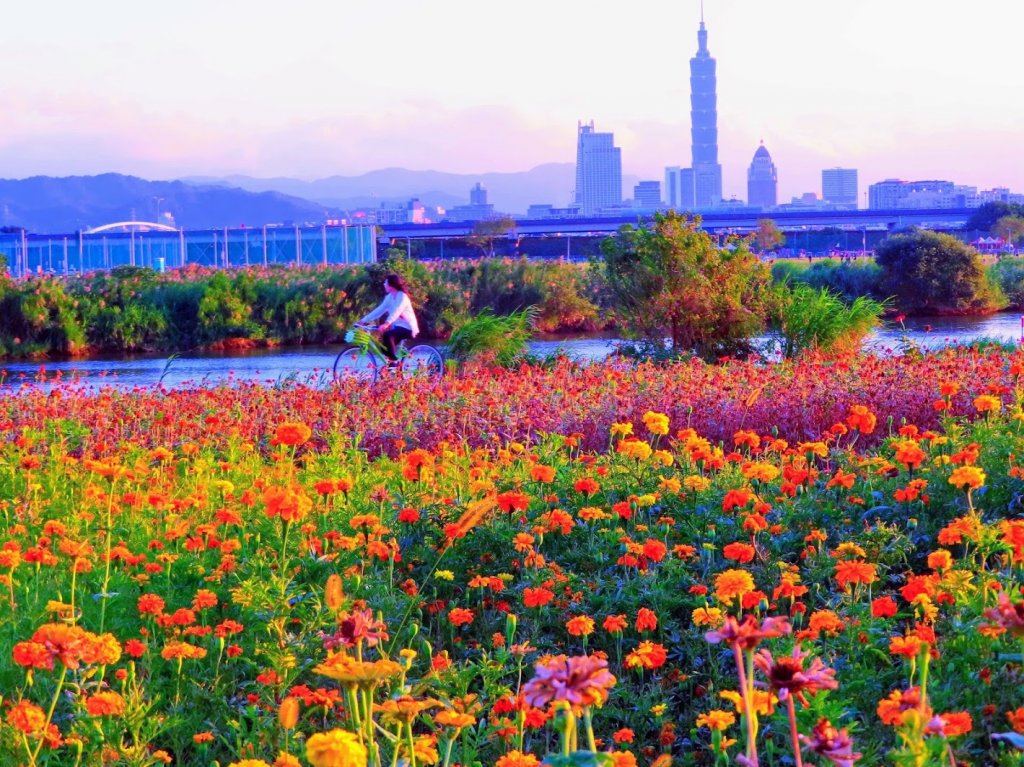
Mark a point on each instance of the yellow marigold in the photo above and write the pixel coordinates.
(452, 718)
(656, 423)
(348, 670)
(669, 484)
(970, 476)
(764, 472)
(284, 759)
(732, 584)
(517, 759)
(175, 649)
(696, 483)
(336, 748)
(708, 616)
(764, 701)
(940, 559)
(818, 448)
(249, 763)
(987, 403)
(622, 429)
(634, 448)
(716, 720)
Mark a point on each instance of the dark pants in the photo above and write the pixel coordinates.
(391, 338)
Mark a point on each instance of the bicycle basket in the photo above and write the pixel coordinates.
(358, 336)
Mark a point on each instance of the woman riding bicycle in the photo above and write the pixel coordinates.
(399, 318)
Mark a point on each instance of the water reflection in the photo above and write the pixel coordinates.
(313, 364)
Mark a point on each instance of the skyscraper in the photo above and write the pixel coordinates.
(762, 180)
(707, 173)
(598, 170)
(839, 186)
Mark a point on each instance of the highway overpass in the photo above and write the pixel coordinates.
(711, 221)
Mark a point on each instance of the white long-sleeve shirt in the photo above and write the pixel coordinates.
(396, 308)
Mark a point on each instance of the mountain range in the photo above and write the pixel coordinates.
(47, 204)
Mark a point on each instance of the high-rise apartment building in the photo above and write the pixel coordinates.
(598, 170)
(839, 187)
(762, 180)
(707, 173)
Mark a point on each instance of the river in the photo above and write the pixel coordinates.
(313, 363)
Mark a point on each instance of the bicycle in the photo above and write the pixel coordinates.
(364, 358)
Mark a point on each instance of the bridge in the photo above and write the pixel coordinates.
(712, 221)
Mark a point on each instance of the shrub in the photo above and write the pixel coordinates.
(927, 272)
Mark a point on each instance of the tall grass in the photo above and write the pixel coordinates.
(504, 337)
(817, 319)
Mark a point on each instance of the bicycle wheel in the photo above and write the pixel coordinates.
(423, 361)
(353, 362)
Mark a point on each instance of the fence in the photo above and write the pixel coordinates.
(85, 252)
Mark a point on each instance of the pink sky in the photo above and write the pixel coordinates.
(911, 89)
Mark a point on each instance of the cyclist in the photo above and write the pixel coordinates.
(399, 321)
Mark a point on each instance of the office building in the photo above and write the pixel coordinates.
(707, 173)
(477, 210)
(762, 180)
(679, 188)
(598, 170)
(839, 187)
(894, 194)
(647, 195)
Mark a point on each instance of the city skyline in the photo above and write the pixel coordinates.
(914, 90)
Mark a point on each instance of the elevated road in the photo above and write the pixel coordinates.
(712, 221)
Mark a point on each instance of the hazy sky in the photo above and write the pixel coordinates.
(896, 88)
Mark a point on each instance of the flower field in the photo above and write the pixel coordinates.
(816, 562)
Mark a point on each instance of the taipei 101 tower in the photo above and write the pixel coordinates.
(707, 173)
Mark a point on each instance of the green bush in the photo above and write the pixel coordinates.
(1008, 273)
(850, 280)
(931, 273)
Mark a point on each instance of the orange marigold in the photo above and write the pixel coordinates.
(855, 571)
(732, 584)
(517, 759)
(105, 703)
(580, 625)
(292, 433)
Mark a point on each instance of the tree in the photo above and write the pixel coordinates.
(669, 278)
(931, 273)
(487, 231)
(1010, 228)
(768, 236)
(984, 217)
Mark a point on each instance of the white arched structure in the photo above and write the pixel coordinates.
(132, 226)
